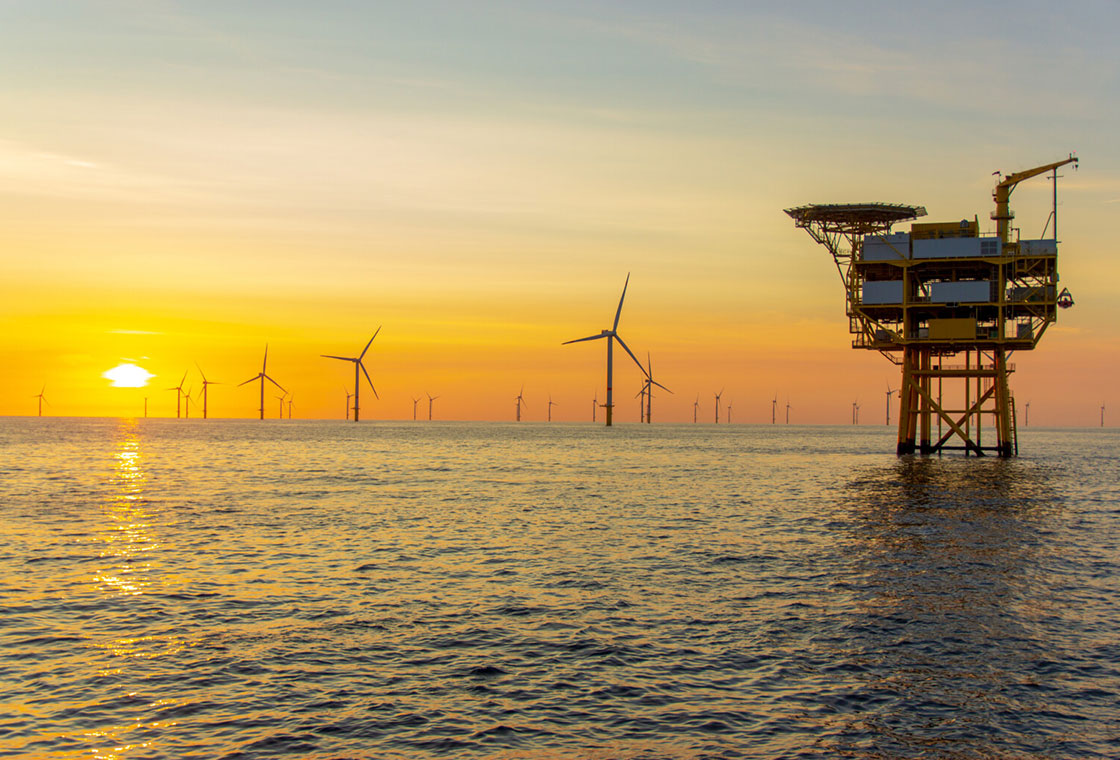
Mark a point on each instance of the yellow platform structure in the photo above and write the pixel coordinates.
(949, 305)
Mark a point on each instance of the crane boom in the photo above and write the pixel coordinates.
(1002, 194)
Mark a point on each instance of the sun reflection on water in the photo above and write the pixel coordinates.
(126, 532)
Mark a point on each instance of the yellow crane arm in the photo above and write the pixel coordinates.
(1002, 194)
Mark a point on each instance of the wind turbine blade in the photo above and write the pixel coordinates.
(618, 313)
(278, 385)
(369, 381)
(589, 337)
(251, 379)
(201, 372)
(659, 385)
(264, 364)
(343, 358)
(627, 348)
(363, 354)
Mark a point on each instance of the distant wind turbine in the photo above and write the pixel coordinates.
(773, 410)
(612, 335)
(349, 396)
(855, 412)
(262, 376)
(42, 398)
(281, 400)
(205, 391)
(594, 405)
(290, 401)
(890, 393)
(358, 366)
(551, 404)
(787, 411)
(190, 389)
(179, 396)
(520, 400)
(695, 408)
(650, 382)
(728, 412)
(717, 404)
(415, 401)
(431, 398)
(641, 396)
(1027, 421)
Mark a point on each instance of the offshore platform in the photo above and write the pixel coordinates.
(949, 305)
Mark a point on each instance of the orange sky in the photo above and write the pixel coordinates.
(182, 186)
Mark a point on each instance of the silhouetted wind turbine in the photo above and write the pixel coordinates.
(431, 398)
(551, 404)
(612, 335)
(358, 365)
(641, 396)
(415, 401)
(889, 394)
(281, 400)
(1102, 415)
(594, 405)
(1027, 422)
(695, 408)
(42, 398)
(520, 400)
(855, 412)
(728, 412)
(205, 391)
(349, 396)
(650, 382)
(773, 410)
(787, 411)
(717, 404)
(179, 396)
(189, 400)
(290, 400)
(262, 376)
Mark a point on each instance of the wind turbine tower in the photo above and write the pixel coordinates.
(650, 382)
(551, 404)
(773, 410)
(262, 376)
(890, 392)
(695, 408)
(611, 336)
(1027, 421)
(787, 411)
(594, 405)
(728, 412)
(357, 360)
(431, 398)
(415, 401)
(717, 405)
(947, 304)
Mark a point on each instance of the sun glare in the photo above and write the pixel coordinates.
(127, 376)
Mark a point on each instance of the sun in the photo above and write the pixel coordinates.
(127, 376)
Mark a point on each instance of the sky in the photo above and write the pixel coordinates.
(184, 183)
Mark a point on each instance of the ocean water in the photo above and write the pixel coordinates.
(236, 589)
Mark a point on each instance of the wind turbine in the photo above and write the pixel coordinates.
(431, 398)
(520, 400)
(179, 396)
(42, 398)
(205, 391)
(262, 376)
(551, 404)
(612, 335)
(292, 396)
(773, 410)
(650, 382)
(1102, 415)
(1027, 422)
(594, 404)
(358, 365)
(695, 408)
(717, 404)
(889, 394)
(787, 411)
(641, 396)
(415, 401)
(728, 412)
(189, 400)
(281, 400)
(349, 396)
(855, 412)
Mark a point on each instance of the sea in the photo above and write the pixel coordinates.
(310, 589)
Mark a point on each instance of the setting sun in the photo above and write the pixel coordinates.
(128, 376)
